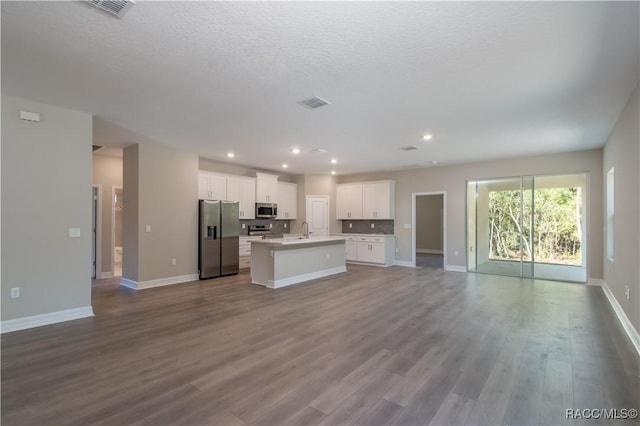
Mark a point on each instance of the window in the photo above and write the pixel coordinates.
(610, 204)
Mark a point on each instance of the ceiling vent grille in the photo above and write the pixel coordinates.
(313, 103)
(409, 148)
(114, 7)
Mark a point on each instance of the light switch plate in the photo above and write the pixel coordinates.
(74, 232)
(407, 226)
(147, 228)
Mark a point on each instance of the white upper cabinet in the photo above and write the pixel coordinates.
(287, 200)
(367, 200)
(266, 188)
(243, 190)
(378, 200)
(349, 201)
(212, 186)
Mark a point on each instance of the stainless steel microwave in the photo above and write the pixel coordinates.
(266, 210)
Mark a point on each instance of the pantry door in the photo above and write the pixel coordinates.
(318, 214)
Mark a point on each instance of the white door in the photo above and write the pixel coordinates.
(318, 214)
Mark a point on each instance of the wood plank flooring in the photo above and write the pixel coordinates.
(373, 346)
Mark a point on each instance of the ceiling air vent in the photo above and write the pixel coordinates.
(313, 103)
(408, 148)
(114, 7)
(96, 147)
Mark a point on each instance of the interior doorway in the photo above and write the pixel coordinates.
(318, 214)
(428, 223)
(116, 226)
(528, 226)
(96, 242)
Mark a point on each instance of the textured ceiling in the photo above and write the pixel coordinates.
(489, 80)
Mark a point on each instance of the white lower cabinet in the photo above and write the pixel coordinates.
(352, 249)
(245, 251)
(378, 249)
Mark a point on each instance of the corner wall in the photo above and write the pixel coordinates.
(162, 193)
(622, 151)
(46, 189)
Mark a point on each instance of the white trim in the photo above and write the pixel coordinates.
(622, 317)
(113, 228)
(105, 275)
(141, 285)
(404, 263)
(98, 247)
(598, 282)
(378, 265)
(45, 319)
(455, 268)
(304, 277)
(444, 224)
(429, 251)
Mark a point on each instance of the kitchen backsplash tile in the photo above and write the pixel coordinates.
(364, 226)
(277, 228)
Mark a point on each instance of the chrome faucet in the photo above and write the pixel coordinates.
(306, 234)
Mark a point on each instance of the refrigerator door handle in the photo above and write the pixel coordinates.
(212, 232)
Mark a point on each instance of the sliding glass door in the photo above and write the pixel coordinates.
(529, 226)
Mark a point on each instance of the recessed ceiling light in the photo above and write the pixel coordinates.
(230, 154)
(295, 151)
(333, 172)
(427, 137)
(434, 162)
(334, 161)
(284, 166)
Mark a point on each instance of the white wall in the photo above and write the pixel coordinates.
(46, 189)
(622, 152)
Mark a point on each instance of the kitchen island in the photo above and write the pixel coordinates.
(281, 262)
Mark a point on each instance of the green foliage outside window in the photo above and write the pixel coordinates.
(551, 235)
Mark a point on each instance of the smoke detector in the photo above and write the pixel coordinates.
(408, 148)
(313, 103)
(114, 7)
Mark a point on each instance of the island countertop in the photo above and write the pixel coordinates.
(298, 241)
(280, 262)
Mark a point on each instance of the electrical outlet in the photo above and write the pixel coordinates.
(627, 291)
(455, 253)
(397, 250)
(271, 225)
(327, 256)
(351, 225)
(244, 225)
(285, 226)
(15, 292)
(147, 228)
(373, 225)
(174, 261)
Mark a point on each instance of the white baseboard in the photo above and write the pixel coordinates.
(405, 263)
(429, 251)
(455, 268)
(622, 317)
(598, 282)
(305, 277)
(45, 319)
(104, 275)
(141, 285)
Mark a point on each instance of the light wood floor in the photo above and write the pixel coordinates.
(373, 346)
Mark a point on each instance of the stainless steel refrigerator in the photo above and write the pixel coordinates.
(218, 238)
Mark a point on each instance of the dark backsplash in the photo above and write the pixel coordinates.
(364, 227)
(278, 225)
